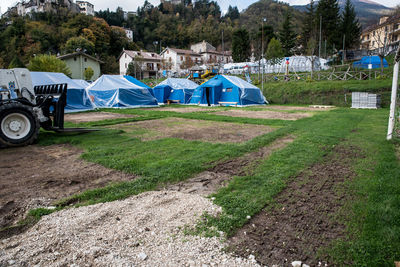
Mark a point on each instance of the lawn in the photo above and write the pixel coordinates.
(371, 215)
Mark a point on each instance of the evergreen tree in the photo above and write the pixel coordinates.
(309, 30)
(328, 11)
(287, 36)
(240, 45)
(233, 13)
(350, 26)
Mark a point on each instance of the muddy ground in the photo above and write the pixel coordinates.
(183, 110)
(94, 116)
(210, 181)
(201, 130)
(301, 222)
(264, 114)
(36, 176)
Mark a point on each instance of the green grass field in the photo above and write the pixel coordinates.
(372, 216)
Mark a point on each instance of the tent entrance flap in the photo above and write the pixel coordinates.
(208, 95)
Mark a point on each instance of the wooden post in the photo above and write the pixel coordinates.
(394, 95)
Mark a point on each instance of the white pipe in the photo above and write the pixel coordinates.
(393, 101)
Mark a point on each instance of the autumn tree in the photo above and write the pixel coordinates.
(79, 44)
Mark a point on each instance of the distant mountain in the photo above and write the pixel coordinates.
(368, 11)
(273, 11)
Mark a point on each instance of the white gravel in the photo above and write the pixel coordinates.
(144, 230)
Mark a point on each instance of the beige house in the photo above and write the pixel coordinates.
(210, 55)
(149, 62)
(384, 35)
(78, 62)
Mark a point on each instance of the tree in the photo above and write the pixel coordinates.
(135, 68)
(79, 43)
(309, 30)
(48, 63)
(233, 13)
(16, 63)
(240, 45)
(328, 11)
(89, 72)
(350, 26)
(311, 51)
(274, 53)
(287, 36)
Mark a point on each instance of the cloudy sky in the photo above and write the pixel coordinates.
(133, 4)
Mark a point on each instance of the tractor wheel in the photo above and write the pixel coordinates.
(19, 126)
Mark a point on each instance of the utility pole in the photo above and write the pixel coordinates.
(262, 54)
(343, 52)
(394, 96)
(320, 36)
(223, 51)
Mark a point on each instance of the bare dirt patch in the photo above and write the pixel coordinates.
(184, 109)
(36, 176)
(264, 114)
(210, 181)
(302, 222)
(143, 230)
(94, 116)
(210, 131)
(294, 108)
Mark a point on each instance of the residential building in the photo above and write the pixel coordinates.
(86, 7)
(178, 60)
(174, 2)
(385, 34)
(128, 14)
(149, 63)
(26, 8)
(78, 62)
(210, 55)
(129, 34)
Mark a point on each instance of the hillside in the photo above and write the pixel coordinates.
(368, 11)
(273, 11)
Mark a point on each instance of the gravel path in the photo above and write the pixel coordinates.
(144, 230)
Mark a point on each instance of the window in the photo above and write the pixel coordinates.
(85, 59)
(125, 55)
(181, 58)
(167, 51)
(74, 58)
(228, 89)
(126, 65)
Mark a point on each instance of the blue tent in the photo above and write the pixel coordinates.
(114, 91)
(77, 97)
(175, 89)
(375, 62)
(82, 82)
(223, 88)
(139, 83)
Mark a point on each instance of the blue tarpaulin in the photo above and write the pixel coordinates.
(77, 98)
(115, 91)
(223, 88)
(139, 83)
(175, 89)
(375, 62)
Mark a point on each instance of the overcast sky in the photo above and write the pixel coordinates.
(132, 5)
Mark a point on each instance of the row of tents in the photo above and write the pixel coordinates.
(118, 91)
